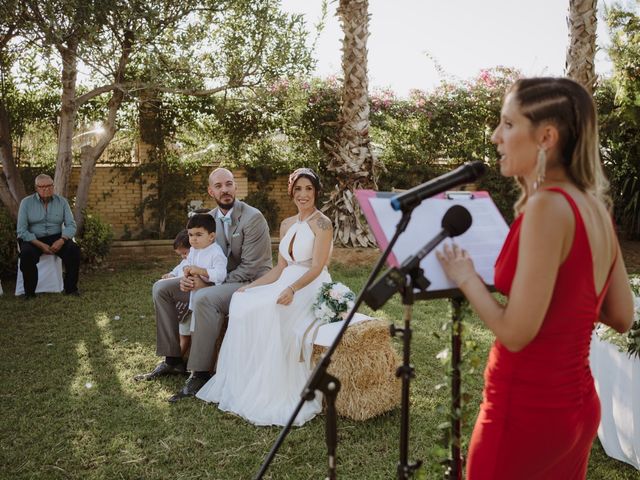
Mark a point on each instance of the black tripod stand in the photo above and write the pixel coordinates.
(406, 372)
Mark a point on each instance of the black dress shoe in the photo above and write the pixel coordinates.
(161, 370)
(75, 293)
(190, 388)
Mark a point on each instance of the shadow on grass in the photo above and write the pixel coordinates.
(67, 386)
(72, 410)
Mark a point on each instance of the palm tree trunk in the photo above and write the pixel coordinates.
(580, 62)
(351, 158)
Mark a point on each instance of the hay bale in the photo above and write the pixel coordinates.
(365, 363)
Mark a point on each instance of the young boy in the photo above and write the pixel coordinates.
(206, 259)
(181, 246)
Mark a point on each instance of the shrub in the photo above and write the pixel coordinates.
(96, 239)
(504, 191)
(260, 200)
(8, 246)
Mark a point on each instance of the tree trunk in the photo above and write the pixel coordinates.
(12, 189)
(90, 155)
(580, 62)
(64, 160)
(351, 159)
(150, 148)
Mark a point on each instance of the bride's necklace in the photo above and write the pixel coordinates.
(300, 219)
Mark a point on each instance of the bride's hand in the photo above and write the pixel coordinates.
(243, 288)
(286, 297)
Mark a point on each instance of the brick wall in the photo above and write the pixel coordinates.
(279, 196)
(115, 199)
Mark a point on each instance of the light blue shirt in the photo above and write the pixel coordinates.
(36, 221)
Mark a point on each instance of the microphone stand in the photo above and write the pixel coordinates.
(406, 371)
(329, 385)
(406, 278)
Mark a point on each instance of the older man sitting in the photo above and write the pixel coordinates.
(46, 226)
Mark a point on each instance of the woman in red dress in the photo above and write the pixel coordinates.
(562, 271)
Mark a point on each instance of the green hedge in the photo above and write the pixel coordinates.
(8, 244)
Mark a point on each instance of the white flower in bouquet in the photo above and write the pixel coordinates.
(334, 302)
(634, 280)
(324, 313)
(630, 341)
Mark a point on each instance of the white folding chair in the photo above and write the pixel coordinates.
(49, 276)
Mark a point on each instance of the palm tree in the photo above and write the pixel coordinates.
(351, 159)
(582, 23)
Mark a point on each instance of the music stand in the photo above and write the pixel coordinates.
(483, 241)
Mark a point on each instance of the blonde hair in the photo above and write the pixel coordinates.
(570, 108)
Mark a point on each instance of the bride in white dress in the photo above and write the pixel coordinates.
(264, 362)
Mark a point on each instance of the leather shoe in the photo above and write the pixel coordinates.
(161, 370)
(190, 388)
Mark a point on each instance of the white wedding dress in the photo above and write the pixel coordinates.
(264, 362)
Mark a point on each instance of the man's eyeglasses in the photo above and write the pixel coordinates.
(45, 186)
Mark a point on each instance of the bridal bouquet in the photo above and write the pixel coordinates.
(633, 337)
(333, 303)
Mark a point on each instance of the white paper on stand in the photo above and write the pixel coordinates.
(483, 240)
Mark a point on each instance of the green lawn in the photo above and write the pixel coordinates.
(70, 408)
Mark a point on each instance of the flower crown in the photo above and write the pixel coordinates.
(297, 173)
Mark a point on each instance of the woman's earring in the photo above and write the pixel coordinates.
(541, 166)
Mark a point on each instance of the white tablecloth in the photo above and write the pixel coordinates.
(328, 332)
(617, 379)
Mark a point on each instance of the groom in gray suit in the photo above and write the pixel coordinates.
(243, 235)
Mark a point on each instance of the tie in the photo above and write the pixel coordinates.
(223, 235)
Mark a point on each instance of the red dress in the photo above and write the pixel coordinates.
(540, 411)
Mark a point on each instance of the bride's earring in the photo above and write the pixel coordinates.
(541, 166)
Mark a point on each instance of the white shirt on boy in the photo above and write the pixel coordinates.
(214, 261)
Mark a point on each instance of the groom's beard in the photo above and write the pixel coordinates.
(226, 206)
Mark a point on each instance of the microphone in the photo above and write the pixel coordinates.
(455, 221)
(466, 173)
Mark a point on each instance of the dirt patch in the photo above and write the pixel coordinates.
(355, 256)
(368, 256)
(360, 256)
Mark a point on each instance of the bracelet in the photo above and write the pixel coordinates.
(292, 289)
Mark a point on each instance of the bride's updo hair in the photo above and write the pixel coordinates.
(306, 173)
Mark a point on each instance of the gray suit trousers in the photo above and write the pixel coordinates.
(210, 305)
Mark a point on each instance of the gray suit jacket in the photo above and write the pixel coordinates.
(249, 244)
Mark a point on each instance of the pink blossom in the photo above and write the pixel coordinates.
(486, 78)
